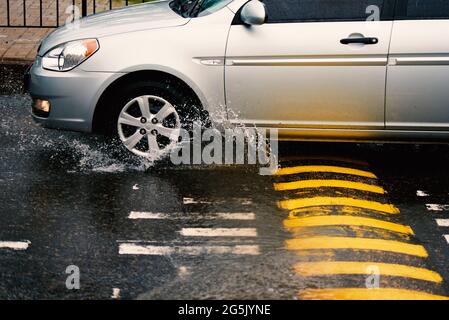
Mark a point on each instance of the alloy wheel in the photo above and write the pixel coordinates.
(149, 126)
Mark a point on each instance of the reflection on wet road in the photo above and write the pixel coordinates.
(336, 221)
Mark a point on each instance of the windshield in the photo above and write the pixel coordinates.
(197, 8)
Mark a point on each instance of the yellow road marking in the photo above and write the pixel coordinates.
(367, 294)
(348, 267)
(333, 169)
(340, 201)
(346, 221)
(356, 243)
(303, 184)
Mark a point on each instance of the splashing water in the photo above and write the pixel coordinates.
(74, 152)
(79, 152)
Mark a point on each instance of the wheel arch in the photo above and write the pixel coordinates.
(101, 107)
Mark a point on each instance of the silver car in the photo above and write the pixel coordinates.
(314, 69)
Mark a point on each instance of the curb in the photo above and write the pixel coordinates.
(20, 62)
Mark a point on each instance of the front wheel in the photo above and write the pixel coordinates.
(149, 115)
(148, 125)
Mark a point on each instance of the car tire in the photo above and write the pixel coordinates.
(160, 94)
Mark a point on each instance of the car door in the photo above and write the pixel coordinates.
(418, 71)
(301, 69)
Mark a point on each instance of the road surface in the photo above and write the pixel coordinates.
(337, 221)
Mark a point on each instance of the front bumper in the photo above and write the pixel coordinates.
(73, 95)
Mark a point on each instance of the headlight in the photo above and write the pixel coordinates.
(69, 55)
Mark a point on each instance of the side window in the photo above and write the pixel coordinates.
(422, 9)
(321, 10)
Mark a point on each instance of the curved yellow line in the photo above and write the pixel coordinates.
(332, 169)
(346, 221)
(309, 269)
(337, 201)
(305, 184)
(316, 243)
(367, 294)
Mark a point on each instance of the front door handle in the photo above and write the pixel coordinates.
(361, 40)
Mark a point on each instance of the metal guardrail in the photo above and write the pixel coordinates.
(50, 13)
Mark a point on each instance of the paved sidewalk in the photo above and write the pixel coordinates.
(20, 44)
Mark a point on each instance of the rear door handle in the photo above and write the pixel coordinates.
(361, 40)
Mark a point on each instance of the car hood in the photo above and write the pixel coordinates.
(128, 19)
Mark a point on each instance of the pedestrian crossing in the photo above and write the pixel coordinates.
(339, 220)
(197, 240)
(440, 209)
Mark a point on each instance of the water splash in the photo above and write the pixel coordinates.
(79, 152)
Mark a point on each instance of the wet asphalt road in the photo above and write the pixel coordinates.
(74, 203)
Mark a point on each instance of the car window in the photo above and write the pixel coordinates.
(210, 6)
(423, 9)
(320, 10)
(183, 7)
(197, 8)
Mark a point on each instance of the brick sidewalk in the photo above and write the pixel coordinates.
(20, 44)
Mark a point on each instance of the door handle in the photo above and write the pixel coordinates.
(362, 40)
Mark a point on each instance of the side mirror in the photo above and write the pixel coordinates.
(253, 13)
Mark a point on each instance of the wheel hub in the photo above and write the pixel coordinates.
(164, 135)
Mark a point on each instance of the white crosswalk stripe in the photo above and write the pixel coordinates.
(442, 222)
(193, 201)
(241, 201)
(210, 216)
(15, 245)
(218, 232)
(421, 193)
(437, 207)
(145, 249)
